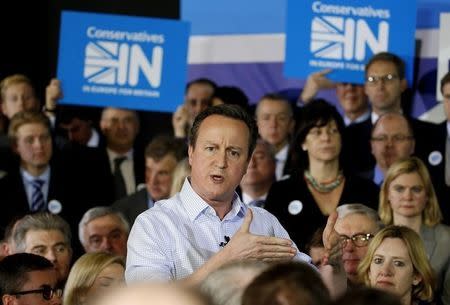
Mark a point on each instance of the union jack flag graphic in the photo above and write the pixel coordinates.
(331, 37)
(102, 62)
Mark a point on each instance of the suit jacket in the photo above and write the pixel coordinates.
(132, 205)
(138, 165)
(357, 150)
(63, 187)
(435, 161)
(293, 204)
(436, 240)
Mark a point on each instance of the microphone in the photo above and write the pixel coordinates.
(223, 244)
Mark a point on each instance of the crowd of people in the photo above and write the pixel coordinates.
(273, 202)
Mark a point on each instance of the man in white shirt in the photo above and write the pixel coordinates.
(206, 225)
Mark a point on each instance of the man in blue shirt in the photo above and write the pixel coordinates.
(206, 225)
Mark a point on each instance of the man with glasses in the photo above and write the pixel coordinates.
(384, 84)
(28, 279)
(392, 140)
(356, 225)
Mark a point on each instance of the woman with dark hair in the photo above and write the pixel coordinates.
(319, 183)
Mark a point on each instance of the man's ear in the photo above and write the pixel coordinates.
(190, 151)
(14, 146)
(8, 299)
(292, 126)
(403, 84)
(103, 126)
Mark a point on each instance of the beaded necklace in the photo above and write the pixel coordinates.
(323, 187)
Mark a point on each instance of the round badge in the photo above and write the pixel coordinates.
(54, 206)
(295, 207)
(435, 158)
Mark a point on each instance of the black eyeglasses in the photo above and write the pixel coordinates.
(359, 240)
(47, 292)
(373, 80)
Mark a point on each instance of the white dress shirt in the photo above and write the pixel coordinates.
(178, 235)
(281, 158)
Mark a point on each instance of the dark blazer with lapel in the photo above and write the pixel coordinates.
(63, 187)
(437, 240)
(357, 150)
(138, 165)
(132, 205)
(435, 152)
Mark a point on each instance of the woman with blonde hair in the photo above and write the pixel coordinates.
(181, 171)
(407, 198)
(91, 275)
(396, 262)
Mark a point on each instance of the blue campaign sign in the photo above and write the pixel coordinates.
(343, 34)
(122, 61)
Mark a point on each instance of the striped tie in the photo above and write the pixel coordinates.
(257, 203)
(37, 197)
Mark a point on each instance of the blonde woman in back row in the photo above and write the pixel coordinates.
(91, 276)
(407, 198)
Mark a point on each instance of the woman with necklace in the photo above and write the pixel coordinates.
(407, 198)
(303, 201)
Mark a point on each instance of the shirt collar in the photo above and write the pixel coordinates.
(359, 119)
(283, 153)
(112, 155)
(448, 129)
(375, 116)
(45, 176)
(247, 199)
(94, 140)
(195, 206)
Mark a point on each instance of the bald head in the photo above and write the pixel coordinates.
(153, 294)
(392, 139)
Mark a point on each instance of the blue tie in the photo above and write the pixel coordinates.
(37, 197)
(257, 203)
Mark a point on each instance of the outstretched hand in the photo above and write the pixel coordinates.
(245, 245)
(332, 270)
(332, 242)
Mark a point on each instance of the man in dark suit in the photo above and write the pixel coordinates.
(39, 181)
(276, 123)
(120, 128)
(438, 160)
(384, 85)
(392, 140)
(161, 156)
(260, 175)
